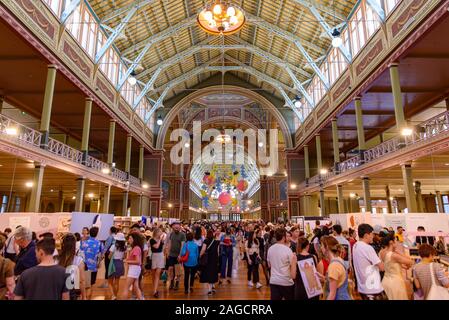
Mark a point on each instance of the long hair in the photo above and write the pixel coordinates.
(137, 240)
(252, 238)
(198, 233)
(68, 250)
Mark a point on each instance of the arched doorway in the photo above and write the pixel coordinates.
(226, 108)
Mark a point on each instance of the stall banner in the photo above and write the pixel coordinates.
(310, 223)
(432, 222)
(56, 223)
(351, 220)
(104, 222)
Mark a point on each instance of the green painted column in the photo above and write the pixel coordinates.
(106, 198)
(125, 203)
(36, 191)
(79, 203)
(319, 159)
(306, 162)
(322, 203)
(141, 161)
(335, 142)
(389, 202)
(341, 199)
(129, 142)
(359, 122)
(410, 198)
(48, 102)
(419, 200)
(86, 127)
(111, 142)
(367, 194)
(440, 202)
(397, 97)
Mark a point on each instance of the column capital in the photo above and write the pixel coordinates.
(52, 66)
(129, 135)
(89, 99)
(358, 98)
(393, 64)
(112, 120)
(334, 119)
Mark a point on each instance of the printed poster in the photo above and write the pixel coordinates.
(311, 281)
(16, 221)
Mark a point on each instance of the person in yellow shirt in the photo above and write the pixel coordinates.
(399, 235)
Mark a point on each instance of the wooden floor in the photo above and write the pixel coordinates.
(237, 290)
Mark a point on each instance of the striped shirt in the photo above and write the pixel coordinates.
(421, 272)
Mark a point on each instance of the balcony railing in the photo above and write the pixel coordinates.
(134, 181)
(382, 149)
(65, 151)
(96, 164)
(429, 128)
(349, 164)
(422, 132)
(120, 175)
(14, 131)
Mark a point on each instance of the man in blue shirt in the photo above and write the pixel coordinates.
(27, 256)
(92, 250)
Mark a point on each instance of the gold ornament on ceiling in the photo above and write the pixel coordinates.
(221, 18)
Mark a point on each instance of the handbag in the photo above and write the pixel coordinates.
(185, 257)
(204, 257)
(164, 276)
(111, 267)
(436, 292)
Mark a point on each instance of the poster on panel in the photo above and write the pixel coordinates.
(82, 219)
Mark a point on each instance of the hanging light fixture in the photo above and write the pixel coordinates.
(337, 41)
(159, 120)
(220, 17)
(132, 80)
(297, 102)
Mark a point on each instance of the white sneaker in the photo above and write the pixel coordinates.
(258, 285)
(250, 284)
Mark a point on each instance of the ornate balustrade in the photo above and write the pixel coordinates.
(15, 131)
(349, 164)
(382, 149)
(60, 149)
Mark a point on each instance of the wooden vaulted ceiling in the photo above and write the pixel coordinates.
(288, 15)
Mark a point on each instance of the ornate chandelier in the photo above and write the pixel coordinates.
(220, 17)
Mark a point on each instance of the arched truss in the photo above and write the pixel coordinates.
(264, 103)
(321, 12)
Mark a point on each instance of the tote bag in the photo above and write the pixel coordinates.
(437, 292)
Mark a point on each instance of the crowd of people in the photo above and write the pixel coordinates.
(331, 263)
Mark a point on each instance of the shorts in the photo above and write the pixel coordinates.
(90, 277)
(134, 271)
(157, 260)
(172, 261)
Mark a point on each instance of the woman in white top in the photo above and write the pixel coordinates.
(157, 259)
(74, 265)
(116, 255)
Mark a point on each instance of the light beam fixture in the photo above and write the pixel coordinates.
(221, 17)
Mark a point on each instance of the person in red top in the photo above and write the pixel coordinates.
(352, 239)
(134, 262)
